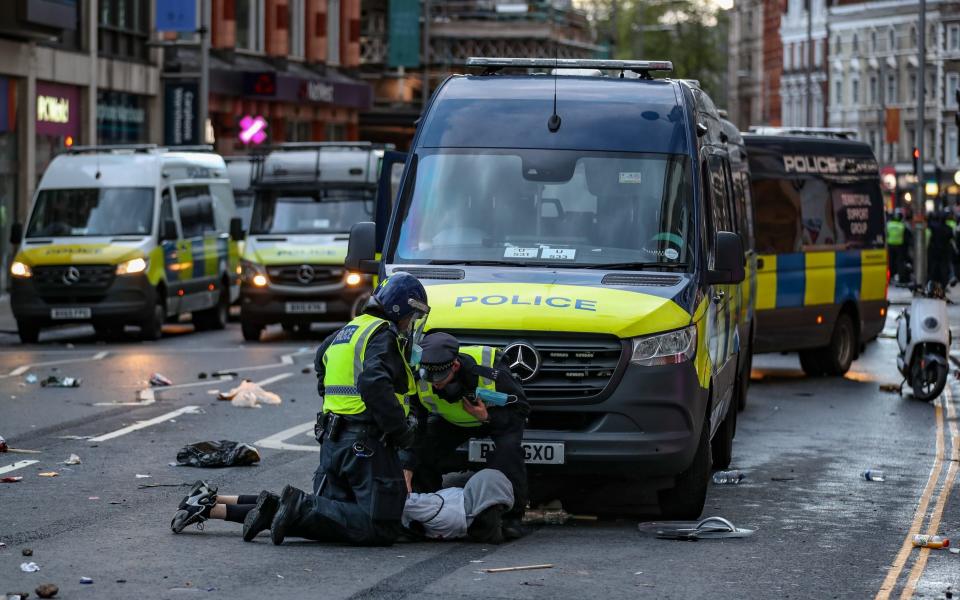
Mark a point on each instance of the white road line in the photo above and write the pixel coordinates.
(24, 368)
(276, 441)
(17, 465)
(147, 396)
(285, 361)
(144, 424)
(274, 379)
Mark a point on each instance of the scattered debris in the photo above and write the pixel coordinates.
(74, 437)
(160, 380)
(15, 596)
(709, 528)
(930, 541)
(3, 545)
(306, 370)
(224, 453)
(48, 474)
(224, 374)
(552, 516)
(11, 479)
(22, 451)
(72, 460)
(201, 375)
(523, 568)
(783, 479)
(86, 580)
(728, 477)
(61, 382)
(890, 388)
(954, 550)
(29, 567)
(3, 444)
(31, 378)
(93, 497)
(142, 476)
(249, 395)
(26, 552)
(47, 590)
(873, 475)
(144, 486)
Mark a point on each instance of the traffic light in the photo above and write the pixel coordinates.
(916, 161)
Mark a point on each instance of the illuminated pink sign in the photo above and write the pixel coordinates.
(253, 129)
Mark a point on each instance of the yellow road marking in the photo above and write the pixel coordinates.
(917, 571)
(897, 567)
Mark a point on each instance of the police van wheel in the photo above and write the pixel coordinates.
(722, 444)
(152, 328)
(686, 498)
(810, 362)
(251, 331)
(214, 317)
(28, 332)
(838, 356)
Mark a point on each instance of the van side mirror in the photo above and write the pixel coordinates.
(728, 260)
(236, 229)
(362, 248)
(16, 233)
(168, 230)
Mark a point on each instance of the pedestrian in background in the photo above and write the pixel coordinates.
(939, 249)
(896, 233)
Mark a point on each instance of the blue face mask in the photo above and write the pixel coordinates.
(416, 352)
(492, 398)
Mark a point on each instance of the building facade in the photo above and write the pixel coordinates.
(803, 33)
(755, 64)
(285, 63)
(72, 72)
(874, 67)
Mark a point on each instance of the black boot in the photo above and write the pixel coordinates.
(261, 516)
(286, 516)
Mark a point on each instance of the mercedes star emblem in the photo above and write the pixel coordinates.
(305, 274)
(523, 360)
(71, 276)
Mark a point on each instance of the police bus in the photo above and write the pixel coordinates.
(598, 246)
(822, 259)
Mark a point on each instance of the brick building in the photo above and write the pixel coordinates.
(755, 65)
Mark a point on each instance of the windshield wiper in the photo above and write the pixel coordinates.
(637, 266)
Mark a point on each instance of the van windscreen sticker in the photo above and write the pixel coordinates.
(517, 252)
(629, 177)
(559, 253)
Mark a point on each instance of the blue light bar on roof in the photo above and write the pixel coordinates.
(571, 63)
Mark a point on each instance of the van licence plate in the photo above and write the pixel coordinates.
(70, 313)
(299, 308)
(535, 453)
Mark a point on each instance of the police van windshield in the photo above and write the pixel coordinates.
(92, 212)
(326, 211)
(562, 208)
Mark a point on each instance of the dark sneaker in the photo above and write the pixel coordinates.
(195, 508)
(514, 529)
(261, 516)
(286, 514)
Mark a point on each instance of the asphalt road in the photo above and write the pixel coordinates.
(821, 530)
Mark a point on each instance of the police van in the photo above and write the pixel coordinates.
(585, 225)
(822, 258)
(307, 196)
(127, 235)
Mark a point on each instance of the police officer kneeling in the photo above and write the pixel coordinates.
(450, 377)
(359, 488)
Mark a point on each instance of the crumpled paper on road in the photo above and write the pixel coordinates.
(224, 453)
(249, 395)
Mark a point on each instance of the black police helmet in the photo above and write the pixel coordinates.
(401, 295)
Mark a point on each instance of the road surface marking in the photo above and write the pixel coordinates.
(276, 441)
(898, 563)
(17, 465)
(24, 368)
(274, 379)
(144, 424)
(937, 514)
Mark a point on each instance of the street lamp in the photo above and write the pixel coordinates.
(956, 177)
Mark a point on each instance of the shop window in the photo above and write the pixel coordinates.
(121, 118)
(298, 15)
(336, 132)
(195, 205)
(123, 30)
(298, 131)
(250, 18)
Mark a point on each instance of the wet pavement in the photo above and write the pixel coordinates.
(821, 530)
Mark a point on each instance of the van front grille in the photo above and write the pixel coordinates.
(571, 367)
(73, 280)
(305, 274)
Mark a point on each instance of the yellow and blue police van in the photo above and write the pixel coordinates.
(821, 251)
(306, 197)
(586, 226)
(127, 235)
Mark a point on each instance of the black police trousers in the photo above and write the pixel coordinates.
(435, 455)
(359, 493)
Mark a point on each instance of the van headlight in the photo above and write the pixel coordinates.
(132, 266)
(665, 348)
(19, 269)
(252, 273)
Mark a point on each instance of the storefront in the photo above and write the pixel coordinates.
(58, 121)
(121, 118)
(8, 169)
